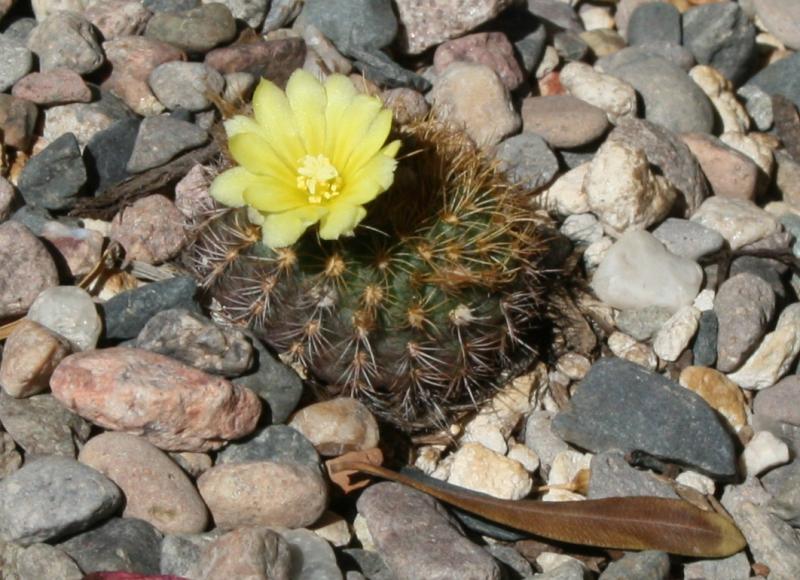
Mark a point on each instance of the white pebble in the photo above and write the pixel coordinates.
(674, 336)
(764, 452)
(70, 312)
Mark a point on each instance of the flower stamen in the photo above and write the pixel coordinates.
(317, 177)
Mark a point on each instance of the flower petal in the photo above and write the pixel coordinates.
(371, 142)
(241, 124)
(340, 92)
(254, 153)
(270, 195)
(374, 177)
(273, 112)
(284, 229)
(356, 120)
(228, 187)
(308, 101)
(341, 221)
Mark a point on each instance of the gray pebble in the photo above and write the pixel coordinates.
(353, 23)
(648, 564)
(704, 349)
(781, 78)
(642, 323)
(54, 497)
(312, 558)
(15, 61)
(677, 55)
(611, 476)
(582, 228)
(170, 5)
(181, 553)
(688, 239)
(66, 40)
(527, 160)
(53, 178)
(185, 85)
(251, 12)
(654, 22)
(197, 30)
(107, 154)
(276, 443)
(160, 139)
(758, 105)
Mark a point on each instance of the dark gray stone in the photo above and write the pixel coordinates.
(649, 564)
(643, 323)
(770, 270)
(654, 22)
(107, 154)
(126, 314)
(527, 34)
(511, 558)
(196, 30)
(395, 514)
(527, 160)
(53, 178)
(670, 155)
(32, 218)
(620, 405)
(570, 46)
(170, 5)
(15, 63)
(181, 553)
(371, 564)
(274, 382)
(120, 545)
(311, 556)
(613, 477)
(382, 70)
(160, 139)
(194, 339)
(54, 497)
(276, 443)
(688, 239)
(677, 55)
(721, 35)
(781, 78)
(704, 349)
(758, 105)
(558, 13)
(42, 426)
(353, 23)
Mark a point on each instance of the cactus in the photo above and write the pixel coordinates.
(421, 311)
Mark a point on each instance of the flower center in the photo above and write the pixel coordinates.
(318, 178)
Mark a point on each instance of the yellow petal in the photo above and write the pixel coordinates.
(375, 177)
(340, 92)
(308, 101)
(270, 195)
(254, 153)
(341, 221)
(274, 114)
(284, 229)
(228, 187)
(241, 124)
(255, 216)
(371, 142)
(354, 124)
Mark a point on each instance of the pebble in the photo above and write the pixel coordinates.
(30, 355)
(721, 35)
(670, 97)
(649, 564)
(642, 323)
(688, 239)
(117, 18)
(539, 437)
(44, 8)
(617, 98)
(107, 153)
(26, 269)
(17, 61)
(566, 195)
(731, 112)
(623, 55)
(786, 179)
(276, 444)
(781, 19)
(697, 482)
(745, 306)
(133, 58)
(704, 350)
(156, 489)
(676, 333)
(251, 12)
(334, 529)
(70, 312)
(422, 26)
(253, 553)
(776, 402)
(757, 149)
(66, 40)
(53, 87)
(638, 268)
(569, 570)
(729, 172)
(337, 426)
(780, 78)
(763, 452)
(353, 23)
(171, 6)
(582, 228)
(151, 229)
(563, 121)
(623, 192)
(718, 391)
(271, 59)
(758, 105)
(185, 85)
(85, 120)
(180, 553)
(126, 314)
(264, 493)
(196, 30)
(492, 49)
(785, 502)
(654, 22)
(17, 121)
(669, 154)
(566, 467)
(80, 249)
(736, 567)
(42, 427)
(120, 544)
(740, 221)
(661, 418)
(37, 561)
(54, 177)
(472, 96)
(479, 469)
(312, 556)
(7, 198)
(53, 497)
(625, 347)
(527, 160)
(440, 552)
(160, 139)
(174, 406)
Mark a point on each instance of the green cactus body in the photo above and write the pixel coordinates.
(421, 312)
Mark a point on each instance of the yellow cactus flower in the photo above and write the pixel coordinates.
(315, 153)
